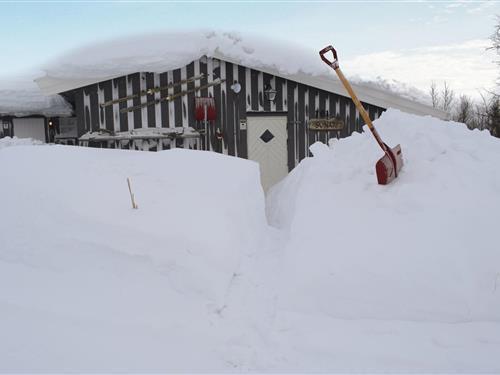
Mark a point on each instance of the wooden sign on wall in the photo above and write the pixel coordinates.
(326, 124)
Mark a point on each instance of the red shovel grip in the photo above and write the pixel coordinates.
(333, 63)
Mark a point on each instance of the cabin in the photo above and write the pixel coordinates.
(220, 101)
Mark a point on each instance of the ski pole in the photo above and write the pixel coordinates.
(152, 90)
(171, 97)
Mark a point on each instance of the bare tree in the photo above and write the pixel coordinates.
(465, 111)
(480, 120)
(448, 97)
(434, 95)
(481, 114)
(443, 99)
(495, 39)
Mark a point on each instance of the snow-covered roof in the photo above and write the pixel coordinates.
(166, 51)
(26, 99)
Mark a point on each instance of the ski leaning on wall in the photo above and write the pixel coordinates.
(152, 91)
(218, 81)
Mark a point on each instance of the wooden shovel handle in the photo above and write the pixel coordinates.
(335, 66)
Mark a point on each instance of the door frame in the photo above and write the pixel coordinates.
(283, 114)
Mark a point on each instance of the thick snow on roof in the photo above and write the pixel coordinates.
(161, 52)
(394, 86)
(24, 98)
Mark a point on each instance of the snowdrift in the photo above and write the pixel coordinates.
(357, 277)
(401, 278)
(423, 248)
(197, 205)
(88, 283)
(14, 141)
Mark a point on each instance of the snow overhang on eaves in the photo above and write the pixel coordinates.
(52, 85)
(369, 95)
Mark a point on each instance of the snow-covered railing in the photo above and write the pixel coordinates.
(143, 139)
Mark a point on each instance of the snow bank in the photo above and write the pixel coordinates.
(187, 207)
(87, 282)
(424, 248)
(360, 277)
(14, 141)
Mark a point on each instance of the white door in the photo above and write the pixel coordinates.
(267, 145)
(29, 128)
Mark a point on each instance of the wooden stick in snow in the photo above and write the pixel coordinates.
(134, 205)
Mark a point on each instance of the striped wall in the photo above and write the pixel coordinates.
(298, 101)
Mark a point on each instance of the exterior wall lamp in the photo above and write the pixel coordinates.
(269, 93)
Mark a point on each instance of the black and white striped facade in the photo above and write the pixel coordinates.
(295, 100)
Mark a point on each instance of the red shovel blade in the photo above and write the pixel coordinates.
(389, 165)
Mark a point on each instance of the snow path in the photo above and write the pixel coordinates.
(247, 332)
(141, 319)
(190, 284)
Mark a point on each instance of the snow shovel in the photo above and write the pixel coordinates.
(390, 164)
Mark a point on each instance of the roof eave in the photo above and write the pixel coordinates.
(53, 85)
(370, 95)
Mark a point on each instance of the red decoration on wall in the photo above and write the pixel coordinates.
(205, 107)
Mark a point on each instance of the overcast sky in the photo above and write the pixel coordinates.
(412, 42)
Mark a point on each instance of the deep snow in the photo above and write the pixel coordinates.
(14, 141)
(351, 276)
(87, 283)
(436, 225)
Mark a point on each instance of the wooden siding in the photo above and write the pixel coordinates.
(299, 101)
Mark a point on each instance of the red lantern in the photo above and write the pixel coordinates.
(204, 109)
